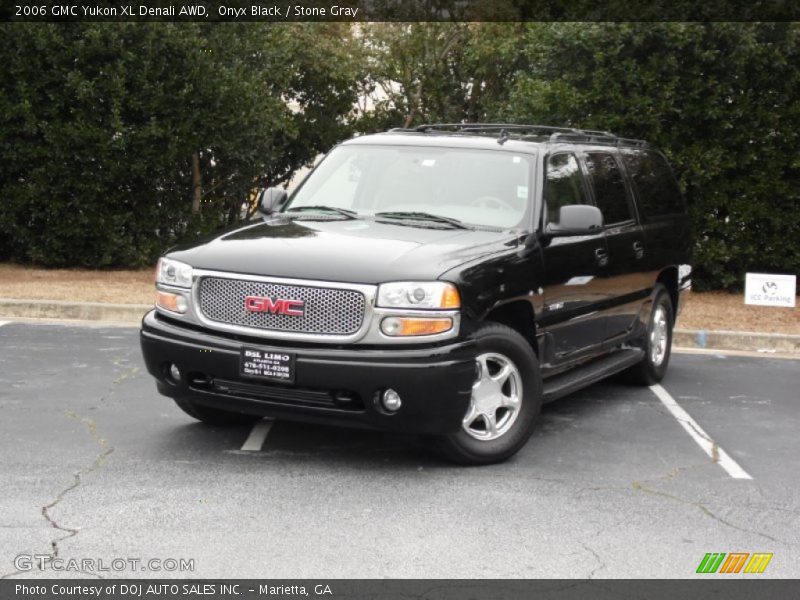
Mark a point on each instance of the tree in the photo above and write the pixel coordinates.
(120, 139)
(441, 72)
(719, 98)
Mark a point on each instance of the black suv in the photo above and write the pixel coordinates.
(444, 280)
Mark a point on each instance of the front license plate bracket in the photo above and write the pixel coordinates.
(270, 365)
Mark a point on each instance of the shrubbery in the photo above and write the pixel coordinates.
(720, 99)
(113, 133)
(120, 139)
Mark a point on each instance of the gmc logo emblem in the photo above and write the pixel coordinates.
(276, 306)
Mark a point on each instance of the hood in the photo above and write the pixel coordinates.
(352, 251)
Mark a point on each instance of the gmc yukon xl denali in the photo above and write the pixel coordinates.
(445, 280)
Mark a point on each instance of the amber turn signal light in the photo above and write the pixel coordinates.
(451, 298)
(406, 326)
(171, 302)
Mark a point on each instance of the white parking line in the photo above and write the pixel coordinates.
(257, 436)
(4, 323)
(709, 446)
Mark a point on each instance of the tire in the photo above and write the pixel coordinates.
(654, 365)
(481, 441)
(214, 416)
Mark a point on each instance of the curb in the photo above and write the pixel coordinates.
(771, 343)
(82, 311)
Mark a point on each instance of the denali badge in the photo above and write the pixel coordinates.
(279, 306)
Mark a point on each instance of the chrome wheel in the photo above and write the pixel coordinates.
(659, 336)
(496, 397)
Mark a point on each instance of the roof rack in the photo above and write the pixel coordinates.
(506, 131)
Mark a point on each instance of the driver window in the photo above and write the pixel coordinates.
(563, 184)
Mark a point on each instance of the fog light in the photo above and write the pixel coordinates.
(175, 372)
(391, 400)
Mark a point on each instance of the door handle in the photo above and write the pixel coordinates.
(601, 255)
(638, 249)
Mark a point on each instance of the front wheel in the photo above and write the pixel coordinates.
(506, 399)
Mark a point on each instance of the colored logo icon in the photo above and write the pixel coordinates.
(734, 562)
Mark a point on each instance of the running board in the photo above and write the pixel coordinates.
(560, 385)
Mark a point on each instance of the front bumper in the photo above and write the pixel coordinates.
(332, 385)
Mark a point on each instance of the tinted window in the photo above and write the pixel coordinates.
(656, 186)
(609, 187)
(563, 185)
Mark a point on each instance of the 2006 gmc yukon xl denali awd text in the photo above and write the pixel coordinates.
(445, 280)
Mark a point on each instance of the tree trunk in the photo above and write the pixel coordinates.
(197, 184)
(415, 101)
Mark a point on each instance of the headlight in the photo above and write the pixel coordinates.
(419, 294)
(172, 272)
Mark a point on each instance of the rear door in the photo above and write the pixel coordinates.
(628, 279)
(576, 279)
(661, 210)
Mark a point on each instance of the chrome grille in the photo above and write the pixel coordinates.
(327, 310)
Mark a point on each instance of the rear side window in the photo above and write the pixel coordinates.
(563, 185)
(655, 184)
(610, 192)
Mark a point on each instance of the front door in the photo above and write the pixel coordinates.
(576, 286)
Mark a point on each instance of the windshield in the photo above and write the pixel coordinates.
(475, 187)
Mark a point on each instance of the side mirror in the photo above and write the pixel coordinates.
(576, 219)
(271, 199)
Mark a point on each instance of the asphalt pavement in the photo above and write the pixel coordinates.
(616, 482)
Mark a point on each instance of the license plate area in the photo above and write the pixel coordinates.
(267, 365)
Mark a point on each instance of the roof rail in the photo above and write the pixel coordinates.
(509, 127)
(505, 131)
(597, 139)
(632, 142)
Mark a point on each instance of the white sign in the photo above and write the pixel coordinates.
(770, 290)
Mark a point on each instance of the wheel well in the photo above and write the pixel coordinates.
(669, 278)
(519, 316)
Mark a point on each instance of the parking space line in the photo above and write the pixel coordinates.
(258, 434)
(4, 323)
(709, 446)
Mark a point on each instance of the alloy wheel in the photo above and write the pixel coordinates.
(659, 336)
(496, 397)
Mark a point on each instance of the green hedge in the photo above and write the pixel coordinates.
(723, 102)
(100, 124)
(721, 99)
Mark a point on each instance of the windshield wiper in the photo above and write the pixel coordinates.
(421, 216)
(342, 211)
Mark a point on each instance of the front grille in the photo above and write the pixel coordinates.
(328, 311)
